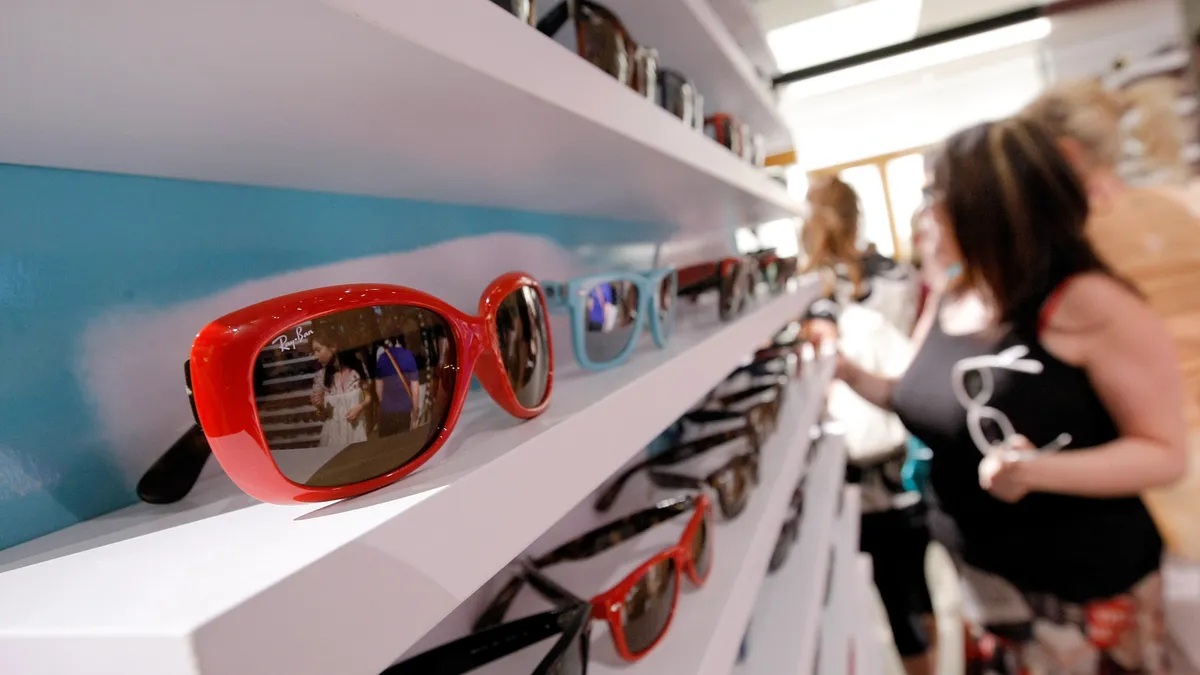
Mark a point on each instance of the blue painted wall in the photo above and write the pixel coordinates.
(91, 263)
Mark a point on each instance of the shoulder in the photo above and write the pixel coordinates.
(1093, 313)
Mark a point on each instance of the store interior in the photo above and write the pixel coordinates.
(374, 337)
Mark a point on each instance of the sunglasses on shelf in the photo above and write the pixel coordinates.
(728, 131)
(789, 532)
(732, 278)
(609, 311)
(775, 271)
(571, 621)
(602, 40)
(678, 96)
(732, 482)
(674, 455)
(338, 391)
(522, 9)
(639, 609)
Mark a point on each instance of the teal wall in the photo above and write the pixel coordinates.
(79, 249)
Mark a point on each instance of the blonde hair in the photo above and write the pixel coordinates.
(1085, 111)
(830, 235)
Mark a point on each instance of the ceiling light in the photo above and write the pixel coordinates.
(921, 59)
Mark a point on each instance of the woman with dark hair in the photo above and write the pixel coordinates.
(1050, 396)
(341, 392)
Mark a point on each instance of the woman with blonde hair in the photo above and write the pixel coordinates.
(868, 311)
(1150, 237)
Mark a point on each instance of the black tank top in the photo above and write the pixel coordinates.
(1075, 548)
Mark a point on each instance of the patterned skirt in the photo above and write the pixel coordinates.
(1017, 633)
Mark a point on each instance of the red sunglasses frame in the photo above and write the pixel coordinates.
(224, 353)
(607, 605)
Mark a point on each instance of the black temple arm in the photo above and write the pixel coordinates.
(686, 451)
(606, 499)
(607, 536)
(676, 481)
(477, 649)
(554, 20)
(707, 416)
(739, 396)
(494, 613)
(173, 475)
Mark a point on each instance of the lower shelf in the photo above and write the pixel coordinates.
(785, 628)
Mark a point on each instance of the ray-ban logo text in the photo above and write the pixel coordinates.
(287, 344)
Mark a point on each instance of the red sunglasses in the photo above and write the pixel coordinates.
(640, 608)
(338, 391)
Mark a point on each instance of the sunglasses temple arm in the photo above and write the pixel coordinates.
(740, 396)
(606, 499)
(684, 452)
(465, 655)
(706, 416)
(673, 481)
(173, 475)
(554, 20)
(607, 536)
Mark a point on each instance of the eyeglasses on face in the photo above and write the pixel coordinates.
(639, 609)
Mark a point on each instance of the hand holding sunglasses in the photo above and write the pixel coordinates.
(639, 609)
(338, 391)
(569, 655)
(608, 312)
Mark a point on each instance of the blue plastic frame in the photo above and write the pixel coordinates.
(572, 296)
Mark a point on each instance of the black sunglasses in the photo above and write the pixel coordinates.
(568, 656)
(789, 532)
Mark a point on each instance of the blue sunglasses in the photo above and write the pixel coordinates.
(608, 312)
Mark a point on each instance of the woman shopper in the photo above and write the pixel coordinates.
(1049, 394)
(862, 292)
(1149, 236)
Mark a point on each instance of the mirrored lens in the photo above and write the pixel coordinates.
(525, 345)
(609, 319)
(647, 607)
(700, 550)
(732, 489)
(665, 305)
(354, 395)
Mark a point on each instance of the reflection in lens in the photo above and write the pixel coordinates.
(524, 345)
(572, 661)
(731, 490)
(610, 319)
(647, 607)
(700, 550)
(665, 305)
(354, 395)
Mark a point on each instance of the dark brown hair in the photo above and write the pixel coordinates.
(1017, 210)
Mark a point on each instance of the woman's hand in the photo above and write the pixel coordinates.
(1004, 471)
(318, 399)
(353, 414)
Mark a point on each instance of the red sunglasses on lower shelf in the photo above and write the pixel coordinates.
(338, 391)
(639, 609)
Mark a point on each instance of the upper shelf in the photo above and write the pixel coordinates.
(451, 101)
(220, 584)
(742, 20)
(690, 37)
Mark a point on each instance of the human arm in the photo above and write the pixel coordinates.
(1102, 327)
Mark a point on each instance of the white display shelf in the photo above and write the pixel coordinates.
(786, 623)
(220, 584)
(868, 652)
(841, 609)
(691, 38)
(709, 622)
(707, 627)
(742, 20)
(448, 101)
